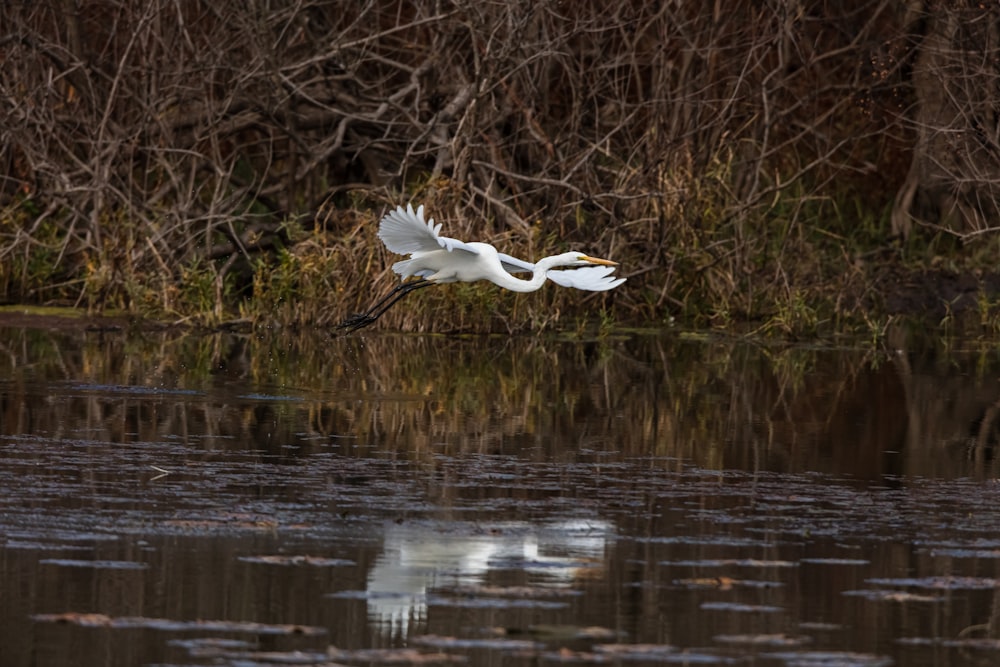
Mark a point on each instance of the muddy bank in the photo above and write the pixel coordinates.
(967, 301)
(935, 294)
(66, 319)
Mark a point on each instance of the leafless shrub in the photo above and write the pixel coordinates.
(954, 179)
(162, 135)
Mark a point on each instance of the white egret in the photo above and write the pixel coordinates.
(438, 259)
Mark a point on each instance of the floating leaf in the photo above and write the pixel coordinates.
(721, 583)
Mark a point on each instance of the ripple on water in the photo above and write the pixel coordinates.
(770, 640)
(944, 582)
(96, 564)
(134, 390)
(315, 561)
(741, 607)
(830, 659)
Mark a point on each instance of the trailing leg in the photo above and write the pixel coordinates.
(361, 320)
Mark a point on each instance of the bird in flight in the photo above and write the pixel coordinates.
(438, 259)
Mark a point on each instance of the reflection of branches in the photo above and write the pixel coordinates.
(985, 435)
(659, 399)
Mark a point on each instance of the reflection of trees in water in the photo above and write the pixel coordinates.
(863, 413)
(716, 403)
(952, 409)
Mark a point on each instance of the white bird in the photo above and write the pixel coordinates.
(438, 259)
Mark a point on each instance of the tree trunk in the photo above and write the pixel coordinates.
(954, 179)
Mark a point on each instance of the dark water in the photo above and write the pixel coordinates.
(246, 500)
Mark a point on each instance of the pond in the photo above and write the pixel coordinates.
(282, 498)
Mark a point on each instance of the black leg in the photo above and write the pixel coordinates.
(361, 320)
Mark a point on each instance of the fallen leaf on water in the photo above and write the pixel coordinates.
(85, 620)
(722, 583)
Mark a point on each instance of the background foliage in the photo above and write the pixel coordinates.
(796, 165)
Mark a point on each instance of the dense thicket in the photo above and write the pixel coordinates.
(743, 160)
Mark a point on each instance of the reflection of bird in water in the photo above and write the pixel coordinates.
(438, 259)
(416, 561)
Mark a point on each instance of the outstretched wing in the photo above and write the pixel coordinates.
(589, 278)
(404, 231)
(513, 264)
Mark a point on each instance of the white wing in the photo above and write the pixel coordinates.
(590, 278)
(513, 264)
(405, 232)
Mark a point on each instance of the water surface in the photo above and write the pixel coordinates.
(296, 499)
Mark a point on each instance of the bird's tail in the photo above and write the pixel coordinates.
(409, 267)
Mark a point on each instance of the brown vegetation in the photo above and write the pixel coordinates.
(219, 161)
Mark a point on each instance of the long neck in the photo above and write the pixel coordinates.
(537, 277)
(518, 285)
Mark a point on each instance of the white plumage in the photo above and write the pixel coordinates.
(443, 259)
(437, 259)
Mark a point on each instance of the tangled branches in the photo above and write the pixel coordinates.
(141, 139)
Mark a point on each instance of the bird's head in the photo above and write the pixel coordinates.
(572, 260)
(579, 259)
(586, 259)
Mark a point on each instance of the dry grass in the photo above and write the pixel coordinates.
(207, 162)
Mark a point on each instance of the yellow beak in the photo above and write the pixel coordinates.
(596, 260)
